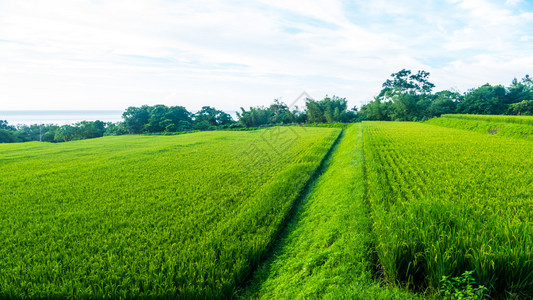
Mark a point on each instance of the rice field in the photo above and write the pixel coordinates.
(188, 216)
(520, 127)
(445, 201)
(528, 120)
(375, 210)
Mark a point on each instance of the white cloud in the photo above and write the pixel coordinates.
(113, 54)
(513, 2)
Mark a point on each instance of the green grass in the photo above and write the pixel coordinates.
(528, 120)
(186, 216)
(507, 126)
(326, 251)
(445, 201)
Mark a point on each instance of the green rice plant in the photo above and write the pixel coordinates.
(507, 126)
(527, 120)
(446, 200)
(185, 216)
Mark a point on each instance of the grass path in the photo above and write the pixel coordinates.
(325, 251)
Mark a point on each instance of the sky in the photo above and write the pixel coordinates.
(106, 54)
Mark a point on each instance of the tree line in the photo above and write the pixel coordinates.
(164, 119)
(406, 96)
(53, 133)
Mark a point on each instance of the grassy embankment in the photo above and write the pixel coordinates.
(507, 126)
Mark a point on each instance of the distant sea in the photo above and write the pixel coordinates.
(59, 117)
(63, 117)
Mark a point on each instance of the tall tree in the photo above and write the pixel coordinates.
(445, 102)
(519, 90)
(486, 100)
(524, 108)
(211, 117)
(410, 95)
(6, 126)
(135, 118)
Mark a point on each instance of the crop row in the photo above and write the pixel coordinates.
(445, 201)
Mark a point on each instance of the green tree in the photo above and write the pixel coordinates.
(315, 111)
(255, 117)
(7, 136)
(485, 100)
(157, 117)
(405, 97)
(375, 110)
(90, 129)
(66, 133)
(29, 133)
(519, 90)
(524, 108)
(180, 117)
(280, 113)
(328, 110)
(209, 117)
(135, 119)
(115, 128)
(404, 82)
(445, 102)
(49, 132)
(6, 126)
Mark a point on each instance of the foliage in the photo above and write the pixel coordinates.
(7, 132)
(278, 113)
(445, 102)
(185, 216)
(403, 82)
(4, 125)
(524, 107)
(163, 119)
(209, 117)
(485, 100)
(328, 110)
(462, 287)
(55, 133)
(158, 118)
(408, 97)
(7, 136)
(446, 200)
(377, 110)
(520, 90)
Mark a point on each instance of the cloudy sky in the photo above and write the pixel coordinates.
(104, 54)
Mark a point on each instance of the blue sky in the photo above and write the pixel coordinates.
(94, 54)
